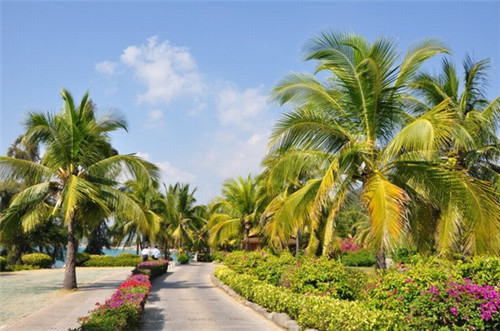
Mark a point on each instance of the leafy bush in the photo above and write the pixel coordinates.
(156, 268)
(123, 310)
(218, 256)
(321, 276)
(3, 263)
(183, 258)
(81, 258)
(433, 293)
(110, 261)
(482, 270)
(359, 258)
(38, 260)
(322, 313)
(404, 255)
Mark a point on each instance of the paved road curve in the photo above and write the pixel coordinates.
(187, 300)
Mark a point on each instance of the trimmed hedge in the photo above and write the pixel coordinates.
(81, 258)
(127, 260)
(123, 310)
(3, 263)
(154, 268)
(322, 313)
(38, 260)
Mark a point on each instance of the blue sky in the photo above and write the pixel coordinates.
(192, 78)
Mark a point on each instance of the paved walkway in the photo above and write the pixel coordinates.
(66, 307)
(187, 300)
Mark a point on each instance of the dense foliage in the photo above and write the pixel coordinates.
(429, 292)
(321, 313)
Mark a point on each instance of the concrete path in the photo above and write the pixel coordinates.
(63, 313)
(187, 300)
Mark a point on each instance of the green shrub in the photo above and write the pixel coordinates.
(404, 255)
(156, 268)
(482, 270)
(321, 276)
(110, 261)
(263, 264)
(3, 263)
(81, 258)
(218, 256)
(359, 258)
(183, 258)
(38, 260)
(322, 313)
(127, 255)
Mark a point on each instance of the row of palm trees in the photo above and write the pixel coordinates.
(370, 140)
(414, 155)
(81, 182)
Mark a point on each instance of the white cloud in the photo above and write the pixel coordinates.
(241, 108)
(106, 67)
(167, 71)
(155, 120)
(173, 175)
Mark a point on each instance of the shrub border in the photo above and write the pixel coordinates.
(283, 320)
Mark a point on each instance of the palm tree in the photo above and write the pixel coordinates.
(182, 215)
(234, 213)
(358, 128)
(152, 203)
(74, 178)
(479, 117)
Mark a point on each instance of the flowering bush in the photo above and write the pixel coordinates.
(156, 268)
(123, 310)
(433, 293)
(348, 245)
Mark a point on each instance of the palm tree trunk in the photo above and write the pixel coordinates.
(297, 243)
(70, 272)
(247, 238)
(380, 262)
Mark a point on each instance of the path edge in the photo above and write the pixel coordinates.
(282, 320)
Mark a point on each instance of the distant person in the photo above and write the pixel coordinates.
(156, 253)
(145, 254)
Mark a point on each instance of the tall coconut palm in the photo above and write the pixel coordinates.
(358, 127)
(74, 178)
(182, 215)
(233, 215)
